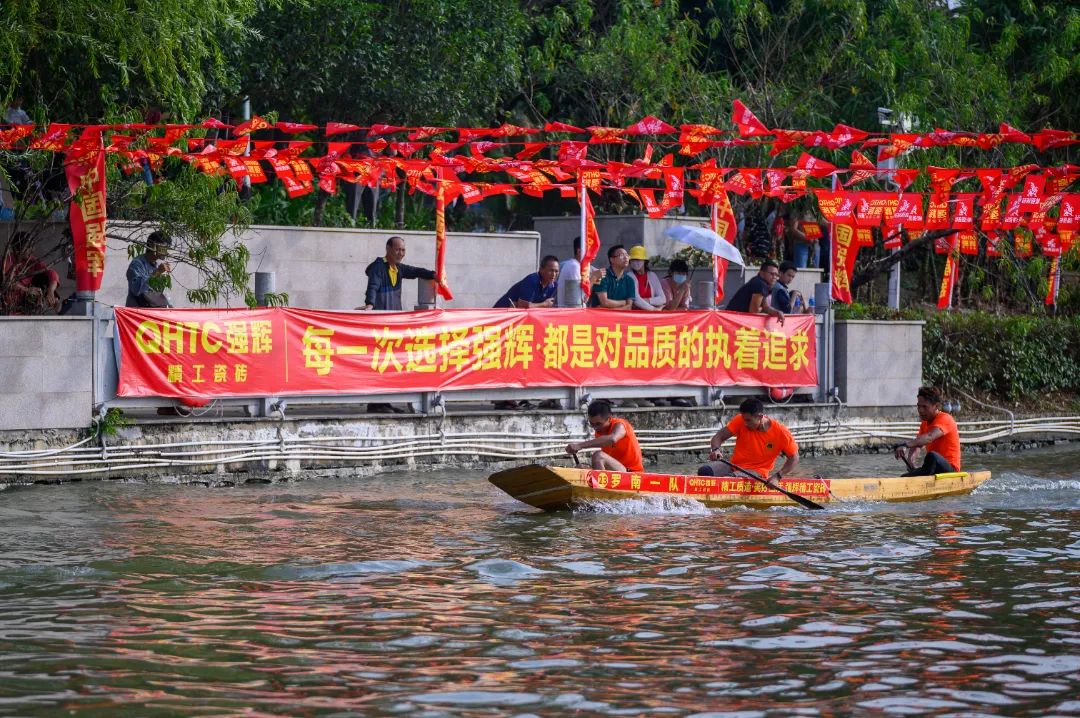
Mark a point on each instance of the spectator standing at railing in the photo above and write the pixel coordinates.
(787, 300)
(536, 290)
(384, 277)
(570, 271)
(147, 265)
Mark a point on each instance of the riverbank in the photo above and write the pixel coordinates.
(228, 450)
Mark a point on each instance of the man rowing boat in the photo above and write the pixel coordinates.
(758, 441)
(937, 433)
(619, 447)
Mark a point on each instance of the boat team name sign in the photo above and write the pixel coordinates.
(283, 351)
(700, 485)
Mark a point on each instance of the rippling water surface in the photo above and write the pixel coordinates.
(435, 594)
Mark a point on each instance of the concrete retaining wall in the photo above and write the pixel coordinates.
(46, 372)
(323, 268)
(878, 363)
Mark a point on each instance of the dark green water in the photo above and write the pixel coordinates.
(435, 595)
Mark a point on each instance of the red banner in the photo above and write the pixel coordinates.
(280, 351)
(844, 248)
(590, 243)
(948, 279)
(86, 180)
(440, 244)
(722, 221)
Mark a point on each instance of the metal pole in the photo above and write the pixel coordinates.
(581, 269)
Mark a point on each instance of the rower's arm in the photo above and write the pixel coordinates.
(790, 462)
(927, 438)
(719, 438)
(600, 442)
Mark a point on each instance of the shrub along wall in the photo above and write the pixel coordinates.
(1008, 356)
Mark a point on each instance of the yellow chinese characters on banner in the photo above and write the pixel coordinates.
(280, 351)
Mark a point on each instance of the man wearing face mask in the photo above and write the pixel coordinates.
(649, 287)
(676, 285)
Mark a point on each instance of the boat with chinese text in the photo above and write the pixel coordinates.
(553, 487)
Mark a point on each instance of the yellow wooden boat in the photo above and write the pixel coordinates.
(553, 487)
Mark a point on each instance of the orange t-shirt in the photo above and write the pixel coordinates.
(948, 444)
(757, 450)
(627, 450)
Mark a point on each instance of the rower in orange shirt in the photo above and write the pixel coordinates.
(758, 441)
(619, 447)
(937, 432)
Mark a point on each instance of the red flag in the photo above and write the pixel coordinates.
(440, 244)
(816, 168)
(861, 168)
(948, 279)
(246, 128)
(562, 127)
(607, 136)
(749, 125)
(86, 181)
(291, 128)
(1053, 281)
(591, 242)
(844, 248)
(650, 125)
(937, 212)
(723, 223)
(1069, 219)
(336, 128)
(843, 135)
(213, 123)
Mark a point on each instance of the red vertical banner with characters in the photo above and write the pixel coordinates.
(1053, 281)
(440, 243)
(948, 279)
(722, 219)
(85, 172)
(844, 248)
(590, 241)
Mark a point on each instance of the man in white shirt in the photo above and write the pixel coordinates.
(570, 272)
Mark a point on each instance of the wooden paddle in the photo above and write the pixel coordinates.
(801, 500)
(577, 461)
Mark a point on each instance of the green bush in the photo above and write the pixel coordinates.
(1011, 356)
(1007, 356)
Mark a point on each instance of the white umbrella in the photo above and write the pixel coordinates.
(705, 239)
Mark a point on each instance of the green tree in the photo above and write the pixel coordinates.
(88, 61)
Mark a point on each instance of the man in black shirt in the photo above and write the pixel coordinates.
(788, 301)
(752, 295)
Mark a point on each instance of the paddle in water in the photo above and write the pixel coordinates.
(801, 500)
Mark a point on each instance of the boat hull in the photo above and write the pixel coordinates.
(554, 487)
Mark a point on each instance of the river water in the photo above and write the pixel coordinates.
(434, 594)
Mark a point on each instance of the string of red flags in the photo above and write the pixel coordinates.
(1032, 203)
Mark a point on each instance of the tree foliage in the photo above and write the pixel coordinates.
(93, 60)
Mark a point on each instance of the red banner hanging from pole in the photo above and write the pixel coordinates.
(1053, 281)
(85, 171)
(440, 243)
(723, 223)
(590, 241)
(948, 279)
(843, 248)
(282, 351)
